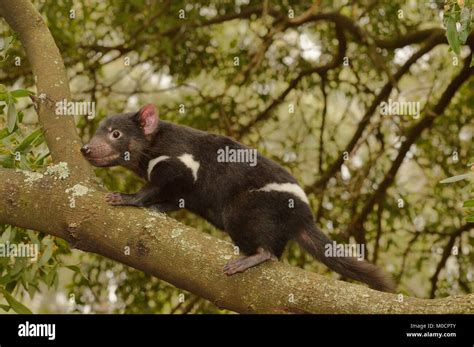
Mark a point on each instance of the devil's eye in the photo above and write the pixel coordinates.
(116, 134)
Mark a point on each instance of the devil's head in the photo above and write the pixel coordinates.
(121, 135)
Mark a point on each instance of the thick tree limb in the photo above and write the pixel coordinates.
(74, 209)
(188, 258)
(48, 68)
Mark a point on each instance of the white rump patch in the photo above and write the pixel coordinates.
(190, 163)
(153, 162)
(291, 188)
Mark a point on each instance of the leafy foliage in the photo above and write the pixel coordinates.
(122, 54)
(458, 13)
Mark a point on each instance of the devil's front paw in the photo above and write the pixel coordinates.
(114, 199)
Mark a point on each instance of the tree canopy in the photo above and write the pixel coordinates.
(319, 88)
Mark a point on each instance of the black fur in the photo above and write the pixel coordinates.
(224, 193)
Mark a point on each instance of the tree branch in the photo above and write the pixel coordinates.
(448, 249)
(322, 69)
(190, 259)
(381, 96)
(48, 68)
(412, 135)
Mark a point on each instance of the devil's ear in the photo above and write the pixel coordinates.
(147, 119)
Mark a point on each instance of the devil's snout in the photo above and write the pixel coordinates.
(85, 150)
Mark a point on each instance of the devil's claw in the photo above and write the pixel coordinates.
(114, 198)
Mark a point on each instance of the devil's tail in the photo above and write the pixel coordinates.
(314, 241)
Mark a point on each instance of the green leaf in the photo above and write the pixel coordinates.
(6, 308)
(28, 140)
(48, 252)
(3, 133)
(20, 93)
(77, 270)
(6, 235)
(49, 279)
(11, 116)
(20, 117)
(13, 231)
(56, 282)
(3, 263)
(20, 265)
(33, 237)
(62, 244)
(7, 161)
(468, 203)
(32, 290)
(452, 35)
(7, 43)
(10, 286)
(470, 219)
(41, 156)
(74, 268)
(465, 20)
(458, 178)
(17, 306)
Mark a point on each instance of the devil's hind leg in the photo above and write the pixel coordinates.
(244, 263)
(255, 226)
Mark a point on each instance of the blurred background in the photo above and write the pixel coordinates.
(304, 84)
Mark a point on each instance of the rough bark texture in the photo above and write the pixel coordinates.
(152, 242)
(187, 258)
(51, 81)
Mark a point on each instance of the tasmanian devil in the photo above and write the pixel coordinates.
(260, 206)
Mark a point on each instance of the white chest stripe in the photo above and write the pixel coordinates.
(190, 163)
(291, 188)
(153, 162)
